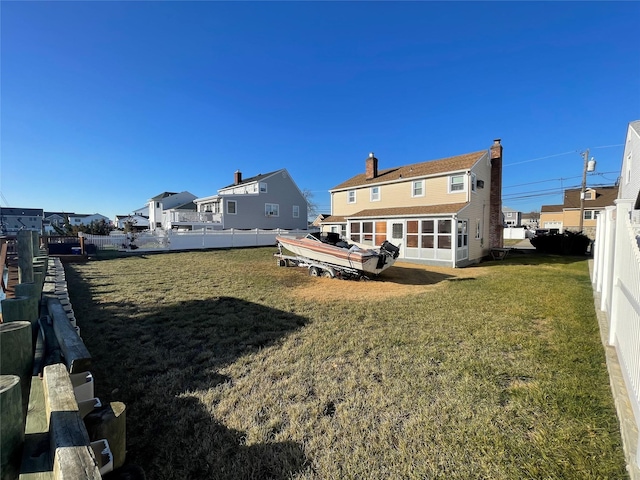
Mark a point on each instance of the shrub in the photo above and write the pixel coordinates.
(567, 243)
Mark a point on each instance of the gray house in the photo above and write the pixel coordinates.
(265, 201)
(14, 219)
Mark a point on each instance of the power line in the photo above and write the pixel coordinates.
(559, 155)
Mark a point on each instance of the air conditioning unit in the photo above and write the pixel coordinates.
(480, 183)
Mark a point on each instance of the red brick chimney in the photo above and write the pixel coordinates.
(237, 177)
(371, 169)
(495, 197)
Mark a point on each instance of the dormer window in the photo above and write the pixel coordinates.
(589, 195)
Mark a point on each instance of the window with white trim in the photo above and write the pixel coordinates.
(417, 188)
(232, 207)
(272, 209)
(588, 195)
(474, 181)
(263, 187)
(296, 211)
(456, 183)
(375, 194)
(351, 196)
(591, 214)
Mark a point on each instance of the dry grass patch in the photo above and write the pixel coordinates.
(232, 367)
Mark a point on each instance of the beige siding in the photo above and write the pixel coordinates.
(478, 209)
(397, 195)
(552, 217)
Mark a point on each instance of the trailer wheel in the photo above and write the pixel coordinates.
(314, 271)
(327, 274)
(282, 262)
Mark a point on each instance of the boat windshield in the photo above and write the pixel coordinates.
(311, 237)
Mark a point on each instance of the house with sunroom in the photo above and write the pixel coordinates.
(265, 201)
(444, 212)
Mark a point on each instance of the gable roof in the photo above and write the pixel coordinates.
(605, 196)
(257, 178)
(433, 167)
(551, 208)
(163, 195)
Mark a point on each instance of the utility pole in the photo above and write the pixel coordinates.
(588, 166)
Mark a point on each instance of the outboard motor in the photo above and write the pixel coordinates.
(390, 248)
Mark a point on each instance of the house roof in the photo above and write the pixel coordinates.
(507, 209)
(257, 178)
(36, 212)
(433, 167)
(636, 126)
(604, 197)
(551, 208)
(163, 195)
(443, 209)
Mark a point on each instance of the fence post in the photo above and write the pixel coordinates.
(12, 432)
(16, 356)
(608, 254)
(25, 256)
(622, 211)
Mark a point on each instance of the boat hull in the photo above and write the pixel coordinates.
(371, 261)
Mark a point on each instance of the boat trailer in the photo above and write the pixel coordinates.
(316, 268)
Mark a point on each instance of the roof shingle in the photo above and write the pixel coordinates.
(433, 167)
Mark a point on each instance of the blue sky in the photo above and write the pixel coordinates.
(106, 104)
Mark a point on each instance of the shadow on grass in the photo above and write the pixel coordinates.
(411, 276)
(531, 257)
(157, 359)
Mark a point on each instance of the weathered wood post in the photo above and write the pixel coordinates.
(16, 357)
(35, 243)
(12, 431)
(109, 421)
(72, 455)
(25, 256)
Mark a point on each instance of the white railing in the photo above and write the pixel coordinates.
(616, 275)
(168, 240)
(194, 217)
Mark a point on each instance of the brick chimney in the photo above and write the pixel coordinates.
(237, 177)
(495, 197)
(371, 169)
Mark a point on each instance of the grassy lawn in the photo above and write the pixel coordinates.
(234, 368)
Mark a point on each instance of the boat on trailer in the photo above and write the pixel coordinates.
(326, 254)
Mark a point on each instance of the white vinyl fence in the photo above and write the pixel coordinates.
(168, 240)
(616, 275)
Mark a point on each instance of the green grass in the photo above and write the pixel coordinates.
(231, 367)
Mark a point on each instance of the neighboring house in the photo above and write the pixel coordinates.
(162, 208)
(139, 222)
(630, 172)
(443, 212)
(512, 218)
(13, 220)
(530, 220)
(265, 201)
(552, 217)
(53, 220)
(77, 219)
(317, 222)
(566, 217)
